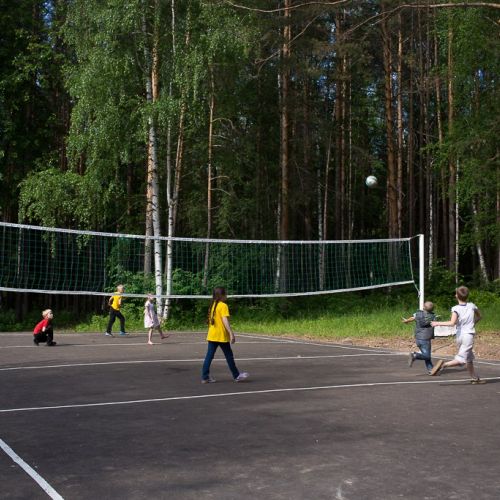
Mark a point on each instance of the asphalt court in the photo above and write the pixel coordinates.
(99, 417)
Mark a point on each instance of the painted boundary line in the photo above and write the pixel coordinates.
(305, 342)
(189, 360)
(241, 393)
(30, 471)
(121, 344)
(372, 349)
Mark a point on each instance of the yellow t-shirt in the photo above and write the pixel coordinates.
(116, 302)
(217, 332)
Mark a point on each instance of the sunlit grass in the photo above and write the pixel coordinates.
(375, 323)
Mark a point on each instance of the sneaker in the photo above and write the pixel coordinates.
(411, 359)
(209, 380)
(437, 367)
(242, 376)
(35, 341)
(123, 333)
(476, 381)
(108, 334)
(50, 344)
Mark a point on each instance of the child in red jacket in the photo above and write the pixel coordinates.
(43, 331)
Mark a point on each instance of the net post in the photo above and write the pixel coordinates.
(421, 270)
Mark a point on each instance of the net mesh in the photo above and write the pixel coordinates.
(50, 260)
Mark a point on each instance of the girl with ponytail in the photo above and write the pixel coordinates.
(220, 334)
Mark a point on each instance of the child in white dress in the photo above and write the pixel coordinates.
(151, 320)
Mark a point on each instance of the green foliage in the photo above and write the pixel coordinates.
(442, 282)
(52, 197)
(472, 141)
(29, 77)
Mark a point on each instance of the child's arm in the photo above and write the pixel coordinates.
(227, 325)
(408, 320)
(452, 322)
(477, 316)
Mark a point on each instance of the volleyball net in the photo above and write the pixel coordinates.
(60, 261)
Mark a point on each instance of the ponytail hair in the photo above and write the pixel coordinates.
(218, 294)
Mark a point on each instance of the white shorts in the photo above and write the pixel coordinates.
(465, 342)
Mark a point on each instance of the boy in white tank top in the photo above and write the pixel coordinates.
(464, 316)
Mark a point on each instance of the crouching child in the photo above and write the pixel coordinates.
(43, 331)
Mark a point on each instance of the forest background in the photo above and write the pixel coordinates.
(257, 120)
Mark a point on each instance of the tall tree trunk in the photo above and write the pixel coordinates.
(411, 146)
(442, 169)
(284, 84)
(211, 107)
(350, 213)
(174, 175)
(498, 225)
(284, 120)
(392, 204)
(479, 248)
(152, 92)
(306, 156)
(430, 215)
(452, 168)
(172, 197)
(421, 133)
(400, 129)
(319, 206)
(343, 149)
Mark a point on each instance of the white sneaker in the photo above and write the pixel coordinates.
(108, 334)
(242, 376)
(209, 380)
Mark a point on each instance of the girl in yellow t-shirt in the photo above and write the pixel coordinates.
(115, 303)
(220, 335)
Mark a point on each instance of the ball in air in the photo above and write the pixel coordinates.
(371, 181)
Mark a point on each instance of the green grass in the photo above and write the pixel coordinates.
(384, 322)
(337, 316)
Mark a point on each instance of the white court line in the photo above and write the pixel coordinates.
(242, 393)
(189, 360)
(121, 344)
(30, 471)
(373, 349)
(322, 344)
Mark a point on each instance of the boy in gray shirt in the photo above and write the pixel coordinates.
(464, 316)
(424, 333)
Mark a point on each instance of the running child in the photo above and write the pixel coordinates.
(464, 316)
(43, 331)
(220, 334)
(115, 303)
(424, 333)
(151, 320)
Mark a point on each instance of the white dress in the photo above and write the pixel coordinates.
(150, 316)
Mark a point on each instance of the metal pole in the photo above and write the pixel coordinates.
(421, 273)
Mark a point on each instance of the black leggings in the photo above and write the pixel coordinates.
(46, 336)
(113, 314)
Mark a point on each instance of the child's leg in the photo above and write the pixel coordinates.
(212, 347)
(425, 353)
(122, 321)
(162, 335)
(453, 362)
(111, 321)
(150, 335)
(50, 335)
(472, 372)
(228, 353)
(41, 337)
